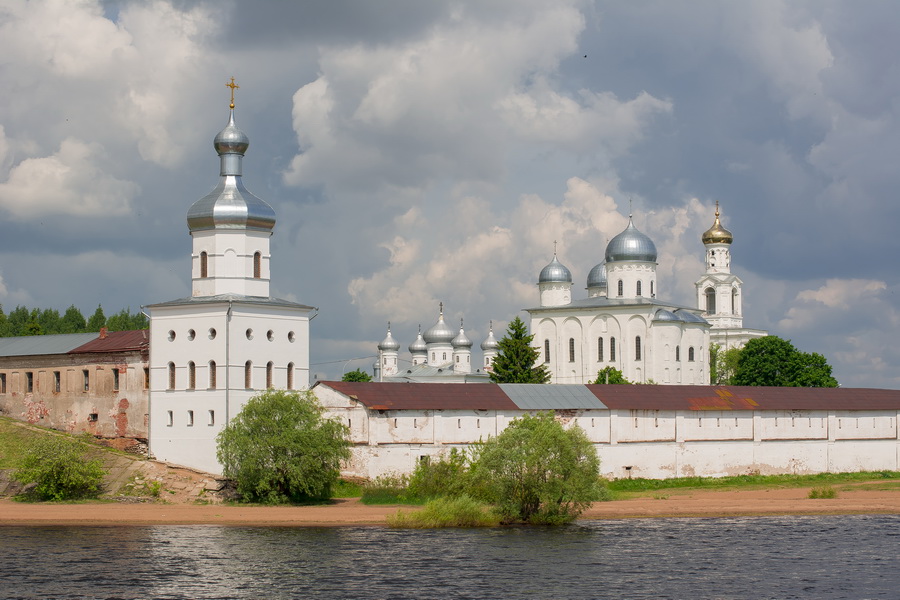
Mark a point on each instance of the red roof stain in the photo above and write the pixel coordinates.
(424, 396)
(724, 400)
(116, 341)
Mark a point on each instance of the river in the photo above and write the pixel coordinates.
(748, 557)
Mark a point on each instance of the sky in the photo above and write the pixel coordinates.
(425, 152)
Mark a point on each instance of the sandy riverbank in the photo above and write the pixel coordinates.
(351, 512)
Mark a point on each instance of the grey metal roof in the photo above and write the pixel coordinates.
(551, 397)
(606, 302)
(430, 372)
(33, 345)
(235, 298)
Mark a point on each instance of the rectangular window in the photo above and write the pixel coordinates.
(571, 349)
(93, 417)
(212, 418)
(56, 381)
(115, 380)
(169, 418)
(29, 382)
(87, 379)
(2, 383)
(600, 349)
(146, 378)
(190, 418)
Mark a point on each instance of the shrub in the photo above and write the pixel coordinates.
(447, 476)
(447, 512)
(61, 469)
(536, 471)
(280, 448)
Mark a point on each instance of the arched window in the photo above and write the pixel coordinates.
(257, 265)
(171, 376)
(638, 289)
(546, 351)
(204, 259)
(290, 376)
(677, 353)
(734, 295)
(192, 375)
(637, 347)
(612, 348)
(212, 374)
(600, 349)
(710, 301)
(652, 294)
(571, 349)
(691, 354)
(621, 288)
(248, 375)
(270, 368)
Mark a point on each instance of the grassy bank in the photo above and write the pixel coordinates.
(630, 488)
(14, 439)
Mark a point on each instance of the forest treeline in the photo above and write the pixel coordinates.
(37, 321)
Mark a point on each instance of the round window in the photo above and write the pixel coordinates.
(291, 337)
(171, 336)
(249, 334)
(191, 334)
(212, 333)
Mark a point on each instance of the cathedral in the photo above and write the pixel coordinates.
(211, 352)
(623, 324)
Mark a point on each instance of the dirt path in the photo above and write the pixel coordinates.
(858, 500)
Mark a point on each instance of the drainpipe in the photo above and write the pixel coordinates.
(149, 394)
(228, 364)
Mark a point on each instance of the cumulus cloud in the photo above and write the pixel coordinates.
(69, 182)
(455, 103)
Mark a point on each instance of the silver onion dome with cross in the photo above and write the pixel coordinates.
(555, 272)
(389, 344)
(631, 245)
(230, 205)
(440, 332)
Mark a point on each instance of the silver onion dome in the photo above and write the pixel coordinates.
(418, 346)
(597, 276)
(689, 317)
(490, 342)
(631, 244)
(555, 272)
(230, 205)
(439, 333)
(389, 344)
(666, 315)
(461, 341)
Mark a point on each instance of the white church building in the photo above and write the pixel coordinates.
(231, 339)
(621, 324)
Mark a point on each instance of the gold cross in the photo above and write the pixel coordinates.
(233, 87)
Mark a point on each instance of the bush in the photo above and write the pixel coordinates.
(447, 476)
(280, 448)
(447, 512)
(61, 469)
(536, 471)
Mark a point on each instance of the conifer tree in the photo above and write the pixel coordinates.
(97, 320)
(516, 360)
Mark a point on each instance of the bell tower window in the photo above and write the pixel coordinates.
(639, 289)
(257, 265)
(204, 265)
(710, 301)
(621, 288)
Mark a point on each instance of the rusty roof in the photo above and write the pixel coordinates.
(439, 396)
(116, 341)
(424, 396)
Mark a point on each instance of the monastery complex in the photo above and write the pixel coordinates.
(178, 385)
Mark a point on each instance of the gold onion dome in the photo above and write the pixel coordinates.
(717, 234)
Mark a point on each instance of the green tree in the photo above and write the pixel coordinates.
(357, 375)
(536, 471)
(772, 361)
(61, 468)
(49, 320)
(280, 448)
(516, 360)
(722, 364)
(610, 375)
(97, 320)
(72, 321)
(18, 319)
